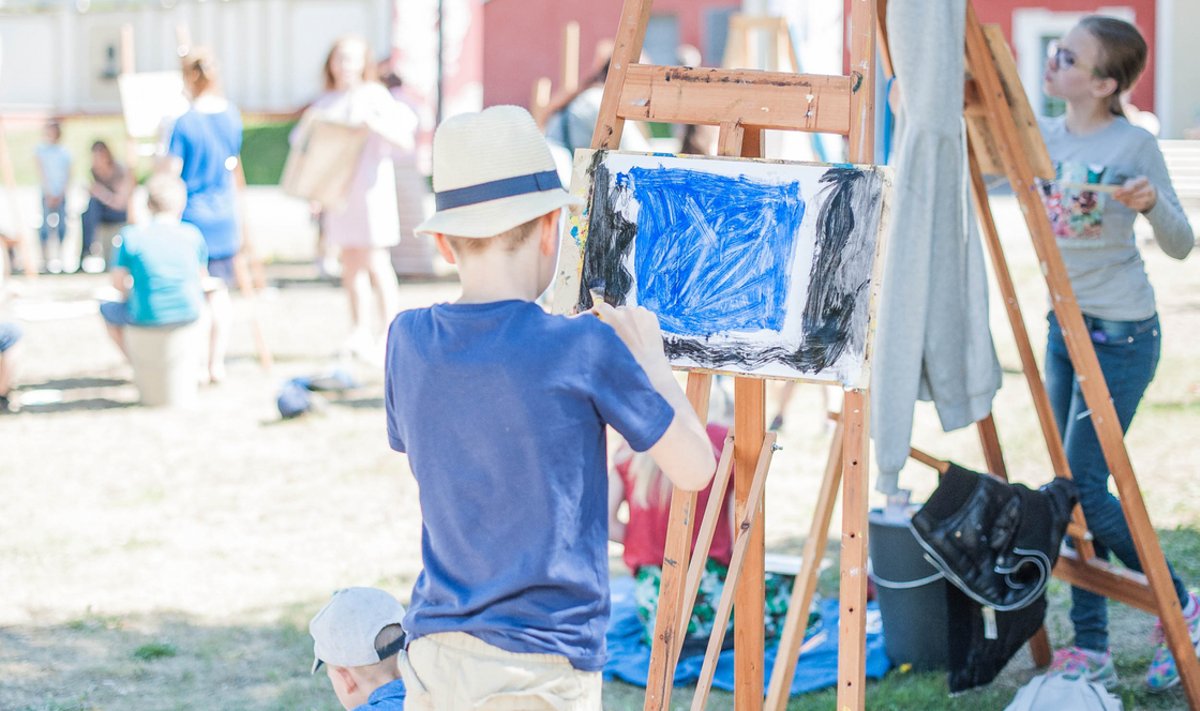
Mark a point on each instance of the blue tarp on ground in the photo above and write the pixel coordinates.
(629, 658)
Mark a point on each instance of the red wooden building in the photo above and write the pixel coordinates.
(522, 39)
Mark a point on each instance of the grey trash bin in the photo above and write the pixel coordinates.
(911, 593)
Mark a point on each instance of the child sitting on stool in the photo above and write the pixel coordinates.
(159, 266)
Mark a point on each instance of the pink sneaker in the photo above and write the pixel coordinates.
(1162, 674)
(1079, 663)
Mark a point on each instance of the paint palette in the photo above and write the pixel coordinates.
(754, 267)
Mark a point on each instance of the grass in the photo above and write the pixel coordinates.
(221, 531)
(154, 650)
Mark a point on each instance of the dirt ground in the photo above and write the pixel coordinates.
(159, 559)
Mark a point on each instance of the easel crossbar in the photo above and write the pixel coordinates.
(771, 100)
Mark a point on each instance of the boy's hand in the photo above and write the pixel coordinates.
(638, 327)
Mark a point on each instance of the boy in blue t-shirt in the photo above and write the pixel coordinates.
(159, 266)
(502, 410)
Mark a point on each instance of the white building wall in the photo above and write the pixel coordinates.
(271, 51)
(1177, 80)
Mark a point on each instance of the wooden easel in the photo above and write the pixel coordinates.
(1003, 137)
(1153, 592)
(539, 105)
(745, 46)
(743, 104)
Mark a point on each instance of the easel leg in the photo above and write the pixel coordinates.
(989, 440)
(749, 430)
(743, 548)
(852, 622)
(667, 622)
(792, 637)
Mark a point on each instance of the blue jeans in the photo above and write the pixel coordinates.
(1128, 352)
(96, 214)
(61, 227)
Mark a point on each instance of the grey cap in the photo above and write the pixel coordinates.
(344, 631)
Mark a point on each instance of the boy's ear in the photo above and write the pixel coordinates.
(349, 683)
(547, 234)
(443, 246)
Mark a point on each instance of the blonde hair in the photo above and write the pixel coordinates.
(1123, 54)
(646, 477)
(200, 71)
(509, 240)
(165, 193)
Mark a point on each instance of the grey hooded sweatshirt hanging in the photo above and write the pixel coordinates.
(932, 339)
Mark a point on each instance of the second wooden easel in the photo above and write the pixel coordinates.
(1004, 138)
(743, 104)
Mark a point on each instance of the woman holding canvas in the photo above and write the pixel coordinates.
(1094, 143)
(204, 150)
(366, 225)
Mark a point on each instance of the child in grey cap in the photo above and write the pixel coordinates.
(356, 637)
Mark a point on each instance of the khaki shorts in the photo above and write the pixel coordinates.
(453, 671)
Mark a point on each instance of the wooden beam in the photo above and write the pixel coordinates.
(627, 48)
(852, 592)
(704, 539)
(748, 635)
(748, 528)
(861, 33)
(570, 58)
(1104, 578)
(771, 100)
(989, 440)
(667, 622)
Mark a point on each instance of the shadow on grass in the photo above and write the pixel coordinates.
(84, 404)
(160, 661)
(362, 403)
(75, 383)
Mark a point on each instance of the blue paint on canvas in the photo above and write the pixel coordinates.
(713, 252)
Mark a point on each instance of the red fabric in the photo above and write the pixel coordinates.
(646, 532)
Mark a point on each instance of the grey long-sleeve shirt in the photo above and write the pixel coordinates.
(1095, 231)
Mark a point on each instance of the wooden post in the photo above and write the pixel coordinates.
(852, 606)
(749, 430)
(570, 58)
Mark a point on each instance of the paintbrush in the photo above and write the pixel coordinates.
(597, 297)
(1086, 187)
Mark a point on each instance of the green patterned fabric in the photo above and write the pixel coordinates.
(777, 592)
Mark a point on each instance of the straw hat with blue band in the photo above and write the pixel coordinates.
(492, 171)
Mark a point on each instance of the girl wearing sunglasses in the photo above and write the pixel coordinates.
(1093, 65)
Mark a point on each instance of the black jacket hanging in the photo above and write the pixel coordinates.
(997, 543)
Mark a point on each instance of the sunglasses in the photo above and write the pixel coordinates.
(1062, 57)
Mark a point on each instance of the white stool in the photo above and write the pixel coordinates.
(165, 362)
